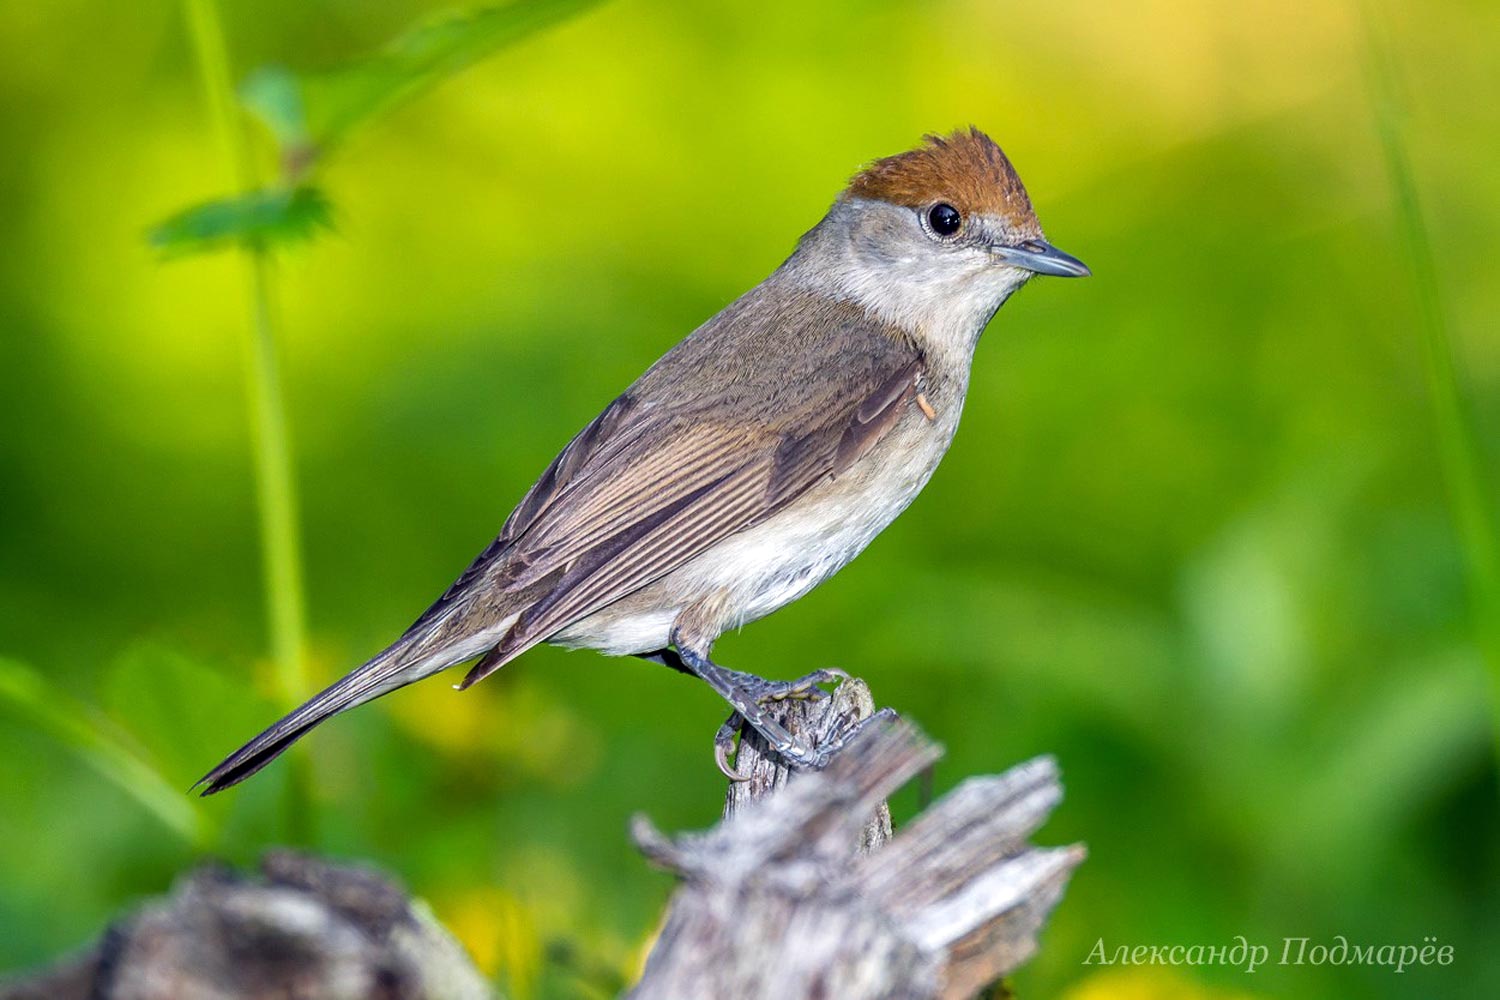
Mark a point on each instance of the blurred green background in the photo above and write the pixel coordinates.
(1193, 538)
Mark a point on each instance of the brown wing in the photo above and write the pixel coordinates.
(662, 476)
(607, 431)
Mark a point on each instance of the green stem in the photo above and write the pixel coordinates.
(98, 744)
(275, 487)
(1470, 492)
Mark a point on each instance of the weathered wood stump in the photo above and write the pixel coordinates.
(304, 928)
(801, 893)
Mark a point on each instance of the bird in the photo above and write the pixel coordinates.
(752, 461)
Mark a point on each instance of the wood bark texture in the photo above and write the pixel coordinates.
(801, 892)
(305, 929)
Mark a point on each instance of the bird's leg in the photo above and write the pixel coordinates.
(763, 690)
(758, 687)
(747, 694)
(724, 746)
(667, 658)
(724, 738)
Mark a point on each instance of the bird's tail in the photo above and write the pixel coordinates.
(393, 668)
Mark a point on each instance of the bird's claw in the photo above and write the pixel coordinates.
(797, 755)
(724, 747)
(805, 687)
(759, 691)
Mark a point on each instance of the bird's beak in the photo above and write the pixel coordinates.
(1043, 258)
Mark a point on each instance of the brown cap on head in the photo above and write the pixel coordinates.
(966, 170)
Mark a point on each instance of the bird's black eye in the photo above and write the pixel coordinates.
(944, 219)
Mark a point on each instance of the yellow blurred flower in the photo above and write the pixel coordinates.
(518, 722)
(1149, 984)
(499, 930)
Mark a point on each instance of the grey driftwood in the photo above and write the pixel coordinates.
(303, 928)
(803, 894)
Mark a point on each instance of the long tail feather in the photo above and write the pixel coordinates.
(388, 671)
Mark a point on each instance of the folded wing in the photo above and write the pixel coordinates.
(653, 483)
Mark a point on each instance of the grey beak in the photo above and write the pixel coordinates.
(1043, 258)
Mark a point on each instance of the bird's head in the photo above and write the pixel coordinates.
(935, 238)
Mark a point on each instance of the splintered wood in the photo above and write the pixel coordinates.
(802, 893)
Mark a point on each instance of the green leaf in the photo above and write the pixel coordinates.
(101, 746)
(1465, 462)
(274, 95)
(311, 114)
(258, 219)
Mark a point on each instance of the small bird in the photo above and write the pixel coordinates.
(750, 463)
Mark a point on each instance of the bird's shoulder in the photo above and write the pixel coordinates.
(777, 353)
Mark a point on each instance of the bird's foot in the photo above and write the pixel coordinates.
(797, 753)
(761, 691)
(748, 695)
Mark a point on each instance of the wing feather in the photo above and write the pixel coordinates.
(657, 480)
